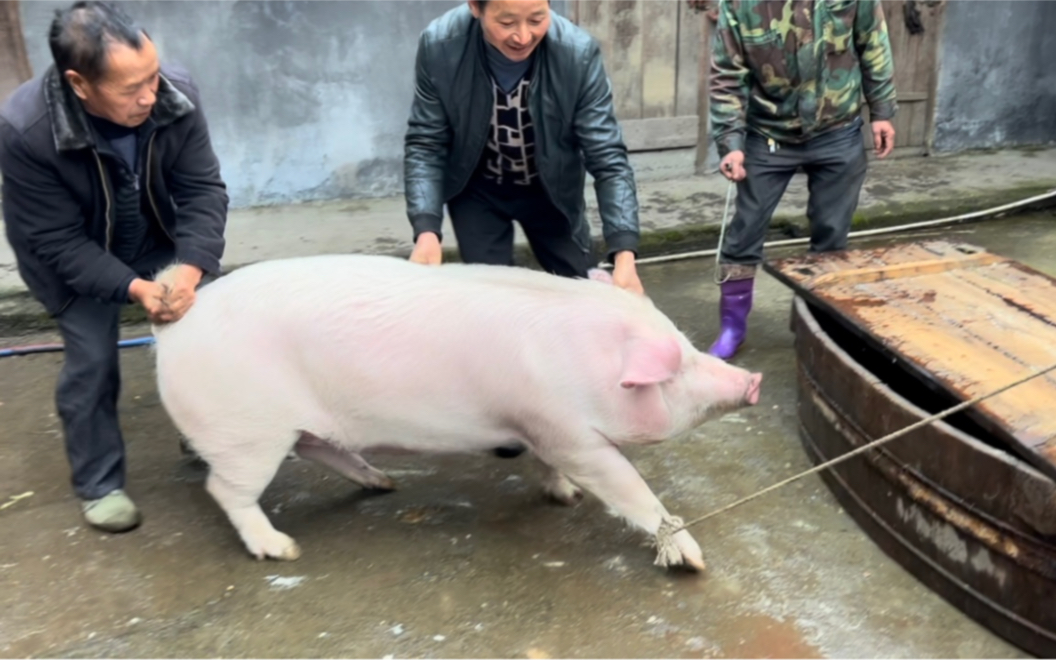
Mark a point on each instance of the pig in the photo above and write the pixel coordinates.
(330, 356)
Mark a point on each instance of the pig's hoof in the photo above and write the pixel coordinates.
(280, 546)
(692, 564)
(677, 548)
(380, 485)
(562, 491)
(692, 557)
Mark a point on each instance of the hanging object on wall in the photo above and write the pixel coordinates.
(912, 16)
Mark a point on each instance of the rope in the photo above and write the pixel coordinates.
(722, 234)
(876, 443)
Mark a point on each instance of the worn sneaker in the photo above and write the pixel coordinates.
(115, 512)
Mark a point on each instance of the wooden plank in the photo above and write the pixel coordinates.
(809, 267)
(899, 37)
(1011, 287)
(659, 57)
(625, 56)
(659, 133)
(927, 65)
(917, 80)
(912, 97)
(968, 320)
(690, 39)
(945, 325)
(933, 85)
(911, 269)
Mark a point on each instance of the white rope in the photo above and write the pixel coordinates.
(880, 231)
(876, 443)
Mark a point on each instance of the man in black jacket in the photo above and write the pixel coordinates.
(512, 107)
(108, 176)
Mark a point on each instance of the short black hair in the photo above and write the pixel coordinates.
(80, 35)
(482, 4)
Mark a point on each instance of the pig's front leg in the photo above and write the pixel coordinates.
(348, 464)
(607, 473)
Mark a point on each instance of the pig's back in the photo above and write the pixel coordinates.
(364, 336)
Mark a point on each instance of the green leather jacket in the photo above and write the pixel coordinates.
(575, 127)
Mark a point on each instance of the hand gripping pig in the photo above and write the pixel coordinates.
(336, 354)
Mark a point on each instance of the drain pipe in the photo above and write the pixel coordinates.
(148, 340)
(56, 348)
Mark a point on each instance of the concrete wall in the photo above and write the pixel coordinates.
(306, 100)
(997, 75)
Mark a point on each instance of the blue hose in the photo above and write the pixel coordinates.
(55, 348)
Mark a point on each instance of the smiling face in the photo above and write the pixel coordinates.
(126, 92)
(514, 27)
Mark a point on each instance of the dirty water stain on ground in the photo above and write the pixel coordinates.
(761, 636)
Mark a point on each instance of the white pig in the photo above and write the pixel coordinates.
(332, 355)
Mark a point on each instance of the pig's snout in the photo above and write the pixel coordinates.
(751, 396)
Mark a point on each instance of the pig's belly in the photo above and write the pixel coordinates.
(419, 434)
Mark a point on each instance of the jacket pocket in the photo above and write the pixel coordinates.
(764, 52)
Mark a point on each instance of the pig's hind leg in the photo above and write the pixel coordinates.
(237, 478)
(559, 488)
(605, 472)
(344, 462)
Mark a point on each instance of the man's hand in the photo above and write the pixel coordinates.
(151, 296)
(625, 275)
(732, 166)
(181, 295)
(883, 138)
(427, 250)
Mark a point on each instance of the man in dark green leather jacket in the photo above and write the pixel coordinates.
(512, 107)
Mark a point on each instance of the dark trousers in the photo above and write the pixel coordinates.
(835, 164)
(482, 217)
(89, 385)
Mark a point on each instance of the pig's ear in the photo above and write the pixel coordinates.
(650, 361)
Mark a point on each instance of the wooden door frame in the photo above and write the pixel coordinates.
(23, 69)
(679, 130)
(708, 21)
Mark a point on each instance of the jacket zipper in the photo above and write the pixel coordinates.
(106, 193)
(532, 86)
(150, 192)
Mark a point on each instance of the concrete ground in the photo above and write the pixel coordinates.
(467, 559)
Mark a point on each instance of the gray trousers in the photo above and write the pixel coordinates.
(88, 388)
(835, 164)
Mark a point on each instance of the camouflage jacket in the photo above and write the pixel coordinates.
(791, 69)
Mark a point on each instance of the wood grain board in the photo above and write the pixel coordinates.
(968, 320)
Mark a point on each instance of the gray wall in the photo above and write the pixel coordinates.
(306, 100)
(997, 75)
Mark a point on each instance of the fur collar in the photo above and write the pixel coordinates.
(69, 123)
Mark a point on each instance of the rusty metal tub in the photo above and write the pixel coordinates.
(973, 522)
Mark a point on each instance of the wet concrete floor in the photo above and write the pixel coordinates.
(467, 558)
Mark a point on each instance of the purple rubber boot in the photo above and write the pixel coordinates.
(734, 306)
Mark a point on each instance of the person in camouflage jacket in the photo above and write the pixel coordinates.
(787, 80)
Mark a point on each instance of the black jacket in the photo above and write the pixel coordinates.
(570, 99)
(58, 199)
